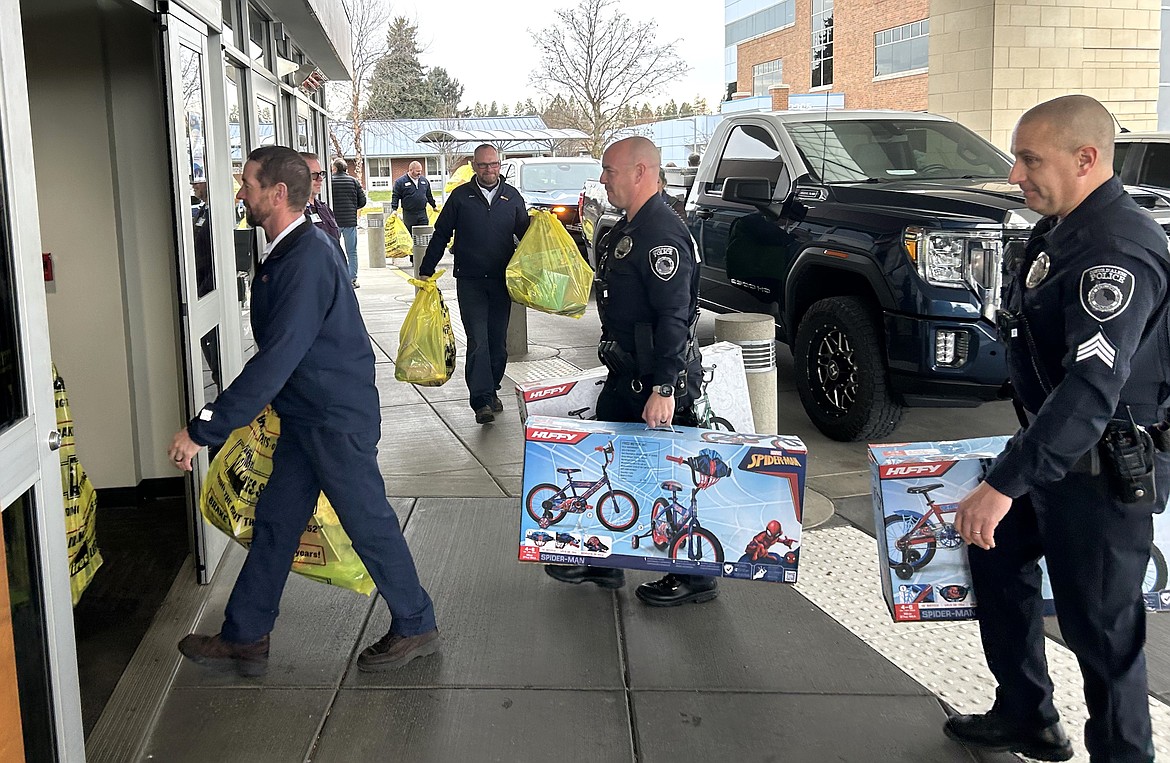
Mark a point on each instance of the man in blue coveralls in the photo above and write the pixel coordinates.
(315, 365)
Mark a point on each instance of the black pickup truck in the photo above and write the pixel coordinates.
(874, 239)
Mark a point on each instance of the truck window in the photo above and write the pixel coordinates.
(1156, 166)
(751, 151)
(851, 151)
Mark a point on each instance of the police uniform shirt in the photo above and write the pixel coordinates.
(649, 273)
(1092, 338)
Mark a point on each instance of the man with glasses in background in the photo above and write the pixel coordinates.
(317, 210)
(488, 218)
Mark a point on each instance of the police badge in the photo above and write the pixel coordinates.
(1106, 290)
(624, 245)
(1038, 270)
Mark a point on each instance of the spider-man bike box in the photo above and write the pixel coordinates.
(724, 405)
(684, 500)
(916, 489)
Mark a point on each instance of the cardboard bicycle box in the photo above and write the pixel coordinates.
(684, 500)
(916, 490)
(575, 396)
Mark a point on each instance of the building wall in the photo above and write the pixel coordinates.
(990, 60)
(854, 24)
(86, 305)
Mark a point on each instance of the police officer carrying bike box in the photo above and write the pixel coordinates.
(1088, 344)
(647, 287)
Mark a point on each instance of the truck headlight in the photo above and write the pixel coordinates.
(959, 259)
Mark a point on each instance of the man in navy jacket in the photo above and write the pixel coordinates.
(488, 218)
(413, 192)
(315, 365)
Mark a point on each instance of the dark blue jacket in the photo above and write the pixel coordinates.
(485, 237)
(648, 274)
(313, 360)
(413, 195)
(1095, 337)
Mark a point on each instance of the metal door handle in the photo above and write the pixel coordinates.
(54, 440)
(704, 214)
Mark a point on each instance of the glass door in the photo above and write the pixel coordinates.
(40, 717)
(198, 213)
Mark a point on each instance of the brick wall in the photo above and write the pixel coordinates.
(854, 24)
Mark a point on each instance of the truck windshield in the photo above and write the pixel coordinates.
(561, 176)
(852, 151)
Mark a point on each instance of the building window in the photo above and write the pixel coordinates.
(822, 43)
(901, 49)
(767, 74)
(761, 22)
(432, 165)
(380, 167)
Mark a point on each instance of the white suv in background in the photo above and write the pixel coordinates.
(1143, 159)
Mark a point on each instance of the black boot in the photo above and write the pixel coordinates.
(673, 590)
(604, 577)
(991, 732)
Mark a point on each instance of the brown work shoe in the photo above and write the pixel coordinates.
(249, 660)
(392, 651)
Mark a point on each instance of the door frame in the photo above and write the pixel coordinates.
(27, 461)
(199, 315)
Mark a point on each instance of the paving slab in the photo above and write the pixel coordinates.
(754, 637)
(314, 637)
(502, 623)
(500, 442)
(237, 725)
(445, 725)
(698, 726)
(417, 442)
(393, 393)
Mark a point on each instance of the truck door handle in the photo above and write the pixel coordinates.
(704, 214)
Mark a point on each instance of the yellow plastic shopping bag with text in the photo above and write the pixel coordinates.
(399, 242)
(547, 272)
(426, 343)
(80, 500)
(239, 473)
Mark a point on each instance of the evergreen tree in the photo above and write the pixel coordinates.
(701, 106)
(685, 110)
(519, 110)
(479, 110)
(401, 87)
(444, 93)
(493, 110)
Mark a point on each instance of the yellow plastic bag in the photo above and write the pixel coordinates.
(433, 214)
(399, 242)
(80, 500)
(547, 272)
(458, 178)
(238, 474)
(426, 343)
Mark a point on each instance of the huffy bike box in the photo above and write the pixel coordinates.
(685, 500)
(725, 404)
(922, 558)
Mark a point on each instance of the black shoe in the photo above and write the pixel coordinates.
(497, 405)
(603, 577)
(673, 590)
(355, 285)
(484, 415)
(991, 732)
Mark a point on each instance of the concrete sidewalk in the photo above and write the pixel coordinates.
(531, 670)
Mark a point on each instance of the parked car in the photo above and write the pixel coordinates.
(554, 184)
(598, 215)
(874, 239)
(1143, 159)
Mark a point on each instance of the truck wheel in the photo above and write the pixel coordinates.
(841, 371)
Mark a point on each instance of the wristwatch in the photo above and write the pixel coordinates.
(665, 390)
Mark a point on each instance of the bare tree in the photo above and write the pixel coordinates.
(367, 30)
(599, 60)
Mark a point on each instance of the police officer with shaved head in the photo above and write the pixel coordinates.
(1088, 345)
(648, 300)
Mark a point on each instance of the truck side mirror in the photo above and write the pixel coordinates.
(754, 192)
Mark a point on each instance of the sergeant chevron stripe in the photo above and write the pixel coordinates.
(1097, 347)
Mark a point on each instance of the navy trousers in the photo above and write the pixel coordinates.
(1096, 549)
(484, 306)
(307, 461)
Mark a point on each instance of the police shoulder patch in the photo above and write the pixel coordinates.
(664, 261)
(1106, 291)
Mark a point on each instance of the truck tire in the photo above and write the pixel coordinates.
(841, 371)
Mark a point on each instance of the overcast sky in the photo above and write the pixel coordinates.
(487, 48)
